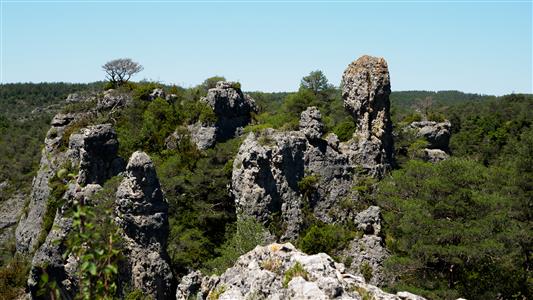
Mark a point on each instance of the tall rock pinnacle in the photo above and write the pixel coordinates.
(142, 213)
(366, 90)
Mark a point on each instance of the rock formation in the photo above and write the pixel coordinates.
(94, 153)
(142, 213)
(368, 253)
(113, 99)
(366, 90)
(10, 210)
(270, 165)
(233, 110)
(437, 135)
(279, 271)
(52, 158)
(95, 150)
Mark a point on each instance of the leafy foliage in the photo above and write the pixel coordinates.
(452, 231)
(326, 238)
(95, 240)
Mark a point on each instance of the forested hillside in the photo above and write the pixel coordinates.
(456, 228)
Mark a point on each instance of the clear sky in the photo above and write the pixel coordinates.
(472, 46)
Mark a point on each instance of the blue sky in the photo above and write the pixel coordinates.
(481, 47)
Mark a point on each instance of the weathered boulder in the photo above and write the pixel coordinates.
(233, 110)
(113, 99)
(311, 123)
(202, 135)
(157, 93)
(280, 174)
(142, 213)
(367, 254)
(280, 271)
(95, 150)
(437, 134)
(433, 155)
(366, 90)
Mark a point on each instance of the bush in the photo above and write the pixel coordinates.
(296, 270)
(344, 130)
(325, 238)
(13, 277)
(244, 236)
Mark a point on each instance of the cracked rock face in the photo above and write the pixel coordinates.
(113, 99)
(437, 134)
(269, 167)
(142, 213)
(233, 110)
(369, 251)
(52, 158)
(95, 150)
(311, 123)
(366, 90)
(264, 273)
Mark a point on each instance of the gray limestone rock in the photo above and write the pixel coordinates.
(368, 252)
(142, 213)
(435, 133)
(434, 155)
(113, 99)
(233, 110)
(95, 150)
(366, 90)
(204, 136)
(268, 168)
(262, 274)
(157, 93)
(311, 123)
(49, 256)
(52, 158)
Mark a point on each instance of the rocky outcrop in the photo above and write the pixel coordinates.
(95, 150)
(311, 123)
(50, 257)
(437, 135)
(232, 109)
(10, 211)
(367, 253)
(280, 271)
(52, 159)
(285, 173)
(365, 90)
(113, 99)
(142, 213)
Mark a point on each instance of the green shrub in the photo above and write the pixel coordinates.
(245, 236)
(13, 277)
(344, 130)
(142, 90)
(366, 270)
(308, 185)
(296, 270)
(326, 238)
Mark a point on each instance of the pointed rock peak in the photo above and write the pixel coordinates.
(365, 91)
(140, 166)
(139, 160)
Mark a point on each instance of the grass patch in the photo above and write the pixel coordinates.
(296, 270)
